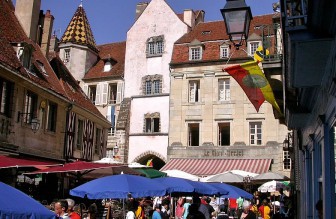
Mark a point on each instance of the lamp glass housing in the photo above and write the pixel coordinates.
(237, 17)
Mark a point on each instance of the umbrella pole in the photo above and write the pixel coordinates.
(124, 208)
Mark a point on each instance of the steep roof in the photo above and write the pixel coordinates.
(212, 35)
(114, 52)
(60, 82)
(79, 30)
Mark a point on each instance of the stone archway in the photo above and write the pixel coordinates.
(157, 159)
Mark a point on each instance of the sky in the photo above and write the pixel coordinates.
(111, 19)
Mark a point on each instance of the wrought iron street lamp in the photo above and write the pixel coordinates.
(237, 17)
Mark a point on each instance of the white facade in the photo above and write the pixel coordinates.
(158, 19)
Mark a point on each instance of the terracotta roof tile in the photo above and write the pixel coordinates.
(115, 51)
(212, 35)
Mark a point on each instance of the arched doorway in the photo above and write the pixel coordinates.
(156, 159)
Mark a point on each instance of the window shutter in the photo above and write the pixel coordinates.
(104, 93)
(192, 91)
(86, 89)
(98, 94)
(120, 88)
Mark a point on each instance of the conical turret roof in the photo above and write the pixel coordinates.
(79, 30)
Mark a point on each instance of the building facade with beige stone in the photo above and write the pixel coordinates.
(211, 118)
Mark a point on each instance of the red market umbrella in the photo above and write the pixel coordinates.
(80, 168)
(10, 162)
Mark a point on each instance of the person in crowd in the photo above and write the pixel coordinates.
(165, 211)
(131, 207)
(140, 213)
(72, 214)
(61, 208)
(193, 212)
(206, 202)
(232, 207)
(157, 212)
(201, 207)
(247, 213)
(179, 208)
(157, 200)
(319, 208)
(92, 211)
(226, 205)
(222, 214)
(254, 207)
(265, 210)
(186, 207)
(239, 201)
(213, 203)
(282, 198)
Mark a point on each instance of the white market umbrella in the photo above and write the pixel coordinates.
(181, 174)
(244, 173)
(137, 165)
(272, 186)
(108, 160)
(270, 176)
(226, 177)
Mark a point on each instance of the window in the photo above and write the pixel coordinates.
(152, 84)
(155, 46)
(97, 142)
(30, 108)
(107, 66)
(113, 89)
(79, 134)
(92, 93)
(66, 55)
(223, 89)
(195, 53)
(52, 117)
(224, 52)
(152, 123)
(287, 162)
(224, 134)
(252, 47)
(6, 94)
(194, 91)
(193, 134)
(255, 133)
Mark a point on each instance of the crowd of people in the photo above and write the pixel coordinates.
(194, 207)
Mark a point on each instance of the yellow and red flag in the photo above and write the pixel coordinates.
(150, 163)
(254, 83)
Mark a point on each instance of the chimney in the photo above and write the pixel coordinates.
(48, 22)
(141, 6)
(189, 17)
(27, 12)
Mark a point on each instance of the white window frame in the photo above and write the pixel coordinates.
(150, 124)
(195, 53)
(224, 52)
(67, 55)
(255, 130)
(253, 46)
(286, 156)
(224, 92)
(194, 91)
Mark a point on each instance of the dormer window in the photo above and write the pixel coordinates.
(253, 42)
(24, 54)
(41, 66)
(107, 66)
(224, 51)
(195, 53)
(195, 50)
(155, 46)
(66, 55)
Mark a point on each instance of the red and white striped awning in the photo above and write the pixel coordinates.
(207, 167)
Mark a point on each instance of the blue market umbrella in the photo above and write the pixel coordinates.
(15, 204)
(185, 186)
(234, 192)
(118, 186)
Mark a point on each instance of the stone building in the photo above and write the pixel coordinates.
(213, 126)
(149, 48)
(45, 116)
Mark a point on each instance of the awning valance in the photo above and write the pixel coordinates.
(207, 167)
(10, 162)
